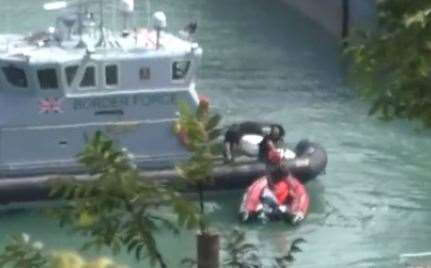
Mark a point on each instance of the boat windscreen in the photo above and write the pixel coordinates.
(47, 78)
(111, 75)
(89, 78)
(180, 69)
(15, 76)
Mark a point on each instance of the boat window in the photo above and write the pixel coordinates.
(15, 76)
(89, 78)
(71, 73)
(111, 75)
(180, 69)
(144, 73)
(47, 78)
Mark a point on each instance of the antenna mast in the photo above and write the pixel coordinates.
(101, 41)
(80, 24)
(127, 7)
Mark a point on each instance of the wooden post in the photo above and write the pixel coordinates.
(208, 250)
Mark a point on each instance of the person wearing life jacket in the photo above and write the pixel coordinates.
(235, 132)
(285, 194)
(276, 195)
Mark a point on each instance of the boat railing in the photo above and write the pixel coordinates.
(108, 14)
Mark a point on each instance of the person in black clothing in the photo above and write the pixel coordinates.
(236, 131)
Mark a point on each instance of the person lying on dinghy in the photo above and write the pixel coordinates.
(236, 132)
(278, 195)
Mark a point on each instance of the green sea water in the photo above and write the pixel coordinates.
(263, 60)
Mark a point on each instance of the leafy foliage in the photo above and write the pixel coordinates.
(20, 252)
(241, 254)
(118, 208)
(201, 134)
(73, 260)
(287, 258)
(23, 253)
(393, 64)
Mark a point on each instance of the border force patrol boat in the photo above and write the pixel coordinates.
(61, 85)
(57, 87)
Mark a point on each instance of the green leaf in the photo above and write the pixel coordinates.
(213, 122)
(132, 245)
(214, 134)
(201, 112)
(121, 206)
(395, 60)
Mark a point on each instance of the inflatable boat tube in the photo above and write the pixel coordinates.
(252, 208)
(310, 161)
(287, 201)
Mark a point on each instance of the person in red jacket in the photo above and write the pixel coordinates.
(276, 195)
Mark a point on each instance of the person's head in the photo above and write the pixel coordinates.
(276, 133)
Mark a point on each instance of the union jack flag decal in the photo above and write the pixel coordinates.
(50, 105)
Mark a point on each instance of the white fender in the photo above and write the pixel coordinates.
(249, 145)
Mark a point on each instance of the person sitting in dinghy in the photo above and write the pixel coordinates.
(236, 132)
(278, 195)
